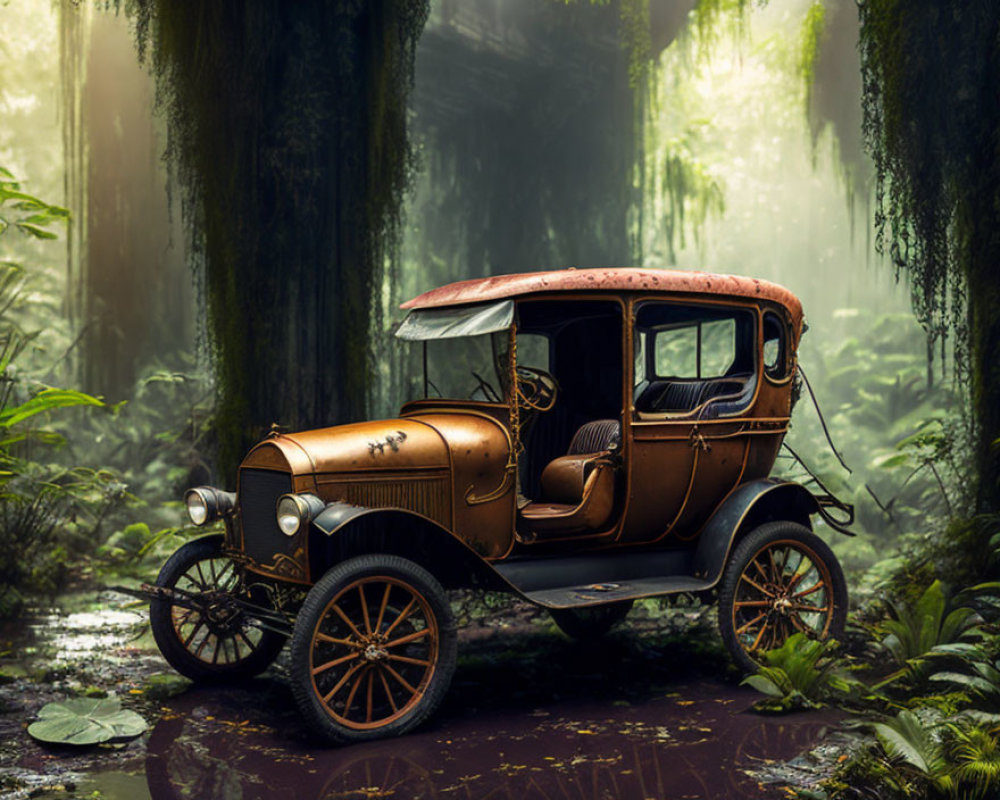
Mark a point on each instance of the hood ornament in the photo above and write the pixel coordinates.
(392, 441)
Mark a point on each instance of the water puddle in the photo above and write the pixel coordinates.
(652, 711)
(691, 746)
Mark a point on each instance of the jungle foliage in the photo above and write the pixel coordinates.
(934, 721)
(36, 498)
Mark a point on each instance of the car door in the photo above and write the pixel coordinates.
(695, 382)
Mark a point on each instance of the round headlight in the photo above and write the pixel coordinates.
(206, 504)
(197, 507)
(289, 515)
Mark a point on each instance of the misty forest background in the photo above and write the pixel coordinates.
(210, 215)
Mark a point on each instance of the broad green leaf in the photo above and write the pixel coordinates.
(891, 461)
(973, 682)
(763, 685)
(957, 623)
(46, 400)
(906, 737)
(84, 721)
(34, 230)
(964, 649)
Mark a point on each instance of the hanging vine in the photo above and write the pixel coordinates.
(931, 115)
(287, 124)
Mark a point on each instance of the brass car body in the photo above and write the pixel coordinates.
(442, 477)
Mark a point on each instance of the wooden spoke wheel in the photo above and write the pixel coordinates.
(781, 579)
(213, 639)
(374, 649)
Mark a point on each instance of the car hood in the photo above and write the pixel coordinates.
(395, 444)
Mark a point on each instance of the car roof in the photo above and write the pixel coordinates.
(614, 279)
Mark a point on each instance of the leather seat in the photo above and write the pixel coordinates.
(717, 396)
(578, 489)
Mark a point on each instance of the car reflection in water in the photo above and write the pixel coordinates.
(691, 745)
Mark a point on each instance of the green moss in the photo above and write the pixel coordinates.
(931, 112)
(812, 33)
(287, 126)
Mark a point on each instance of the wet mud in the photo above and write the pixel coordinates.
(651, 711)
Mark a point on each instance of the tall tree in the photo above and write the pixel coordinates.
(931, 73)
(287, 121)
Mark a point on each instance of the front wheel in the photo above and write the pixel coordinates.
(212, 639)
(373, 651)
(781, 579)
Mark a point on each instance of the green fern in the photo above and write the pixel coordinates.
(906, 738)
(915, 633)
(975, 752)
(800, 674)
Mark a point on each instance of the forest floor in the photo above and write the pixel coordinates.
(654, 710)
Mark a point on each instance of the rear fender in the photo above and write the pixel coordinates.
(342, 531)
(751, 505)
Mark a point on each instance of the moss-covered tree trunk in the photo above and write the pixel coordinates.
(931, 73)
(288, 125)
(983, 280)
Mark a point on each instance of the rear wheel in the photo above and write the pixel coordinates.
(374, 649)
(212, 639)
(781, 579)
(585, 624)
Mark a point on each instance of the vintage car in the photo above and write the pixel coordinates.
(584, 438)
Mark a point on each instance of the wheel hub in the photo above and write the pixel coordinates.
(221, 614)
(373, 652)
(371, 648)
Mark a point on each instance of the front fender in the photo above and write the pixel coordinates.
(752, 504)
(341, 531)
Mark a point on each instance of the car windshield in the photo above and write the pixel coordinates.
(468, 367)
(466, 350)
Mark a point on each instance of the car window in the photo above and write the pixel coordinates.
(533, 350)
(775, 347)
(694, 357)
(468, 367)
(699, 349)
(676, 352)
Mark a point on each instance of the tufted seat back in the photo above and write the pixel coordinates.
(595, 437)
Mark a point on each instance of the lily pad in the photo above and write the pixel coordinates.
(85, 720)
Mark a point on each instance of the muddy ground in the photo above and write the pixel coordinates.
(654, 710)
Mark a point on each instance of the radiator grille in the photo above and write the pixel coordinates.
(430, 497)
(263, 541)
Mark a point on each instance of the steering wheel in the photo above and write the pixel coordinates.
(536, 389)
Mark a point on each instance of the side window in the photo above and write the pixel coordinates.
(704, 349)
(694, 357)
(533, 350)
(718, 347)
(676, 352)
(639, 354)
(775, 347)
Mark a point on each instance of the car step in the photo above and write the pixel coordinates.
(590, 580)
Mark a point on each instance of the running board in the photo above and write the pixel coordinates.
(592, 580)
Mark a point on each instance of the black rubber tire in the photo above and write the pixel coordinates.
(167, 637)
(410, 577)
(587, 624)
(746, 549)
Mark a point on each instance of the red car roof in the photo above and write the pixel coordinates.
(499, 287)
